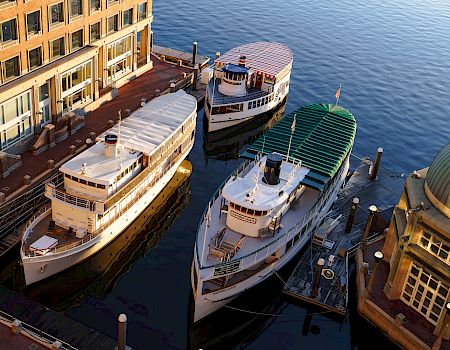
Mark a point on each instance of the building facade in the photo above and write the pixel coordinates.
(58, 56)
(417, 245)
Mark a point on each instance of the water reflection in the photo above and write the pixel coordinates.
(227, 143)
(97, 275)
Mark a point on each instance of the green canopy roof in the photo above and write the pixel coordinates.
(324, 134)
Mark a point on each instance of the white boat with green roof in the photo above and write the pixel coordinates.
(266, 211)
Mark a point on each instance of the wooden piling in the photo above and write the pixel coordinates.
(319, 267)
(194, 53)
(372, 211)
(376, 164)
(122, 332)
(351, 216)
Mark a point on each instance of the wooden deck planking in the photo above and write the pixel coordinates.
(384, 193)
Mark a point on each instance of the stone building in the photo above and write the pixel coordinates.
(413, 279)
(60, 56)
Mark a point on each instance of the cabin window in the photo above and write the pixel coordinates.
(238, 207)
(91, 184)
(258, 103)
(251, 211)
(257, 213)
(288, 245)
(84, 182)
(68, 176)
(101, 186)
(254, 104)
(249, 105)
(192, 135)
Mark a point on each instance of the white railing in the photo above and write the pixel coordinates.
(51, 190)
(306, 227)
(91, 236)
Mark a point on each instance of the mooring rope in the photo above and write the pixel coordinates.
(275, 315)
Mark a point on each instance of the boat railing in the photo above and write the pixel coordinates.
(306, 227)
(65, 247)
(33, 333)
(52, 191)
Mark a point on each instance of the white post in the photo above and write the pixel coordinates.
(122, 332)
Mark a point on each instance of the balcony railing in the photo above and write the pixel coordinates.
(52, 192)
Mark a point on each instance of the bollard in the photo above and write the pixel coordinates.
(110, 124)
(315, 286)
(122, 332)
(2, 197)
(157, 93)
(92, 135)
(194, 83)
(27, 180)
(378, 256)
(56, 345)
(88, 142)
(127, 112)
(73, 149)
(172, 87)
(351, 216)
(372, 211)
(16, 327)
(50, 163)
(194, 53)
(376, 164)
(143, 100)
(217, 55)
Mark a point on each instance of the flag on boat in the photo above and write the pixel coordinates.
(293, 124)
(338, 92)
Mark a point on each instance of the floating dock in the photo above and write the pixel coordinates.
(324, 283)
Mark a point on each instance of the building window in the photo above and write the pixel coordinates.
(127, 17)
(119, 60)
(9, 31)
(112, 2)
(15, 119)
(57, 48)
(76, 8)
(425, 293)
(77, 40)
(56, 14)
(7, 2)
(113, 24)
(10, 68)
(76, 86)
(94, 5)
(35, 58)
(95, 32)
(142, 11)
(434, 246)
(34, 23)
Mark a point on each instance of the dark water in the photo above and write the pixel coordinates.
(393, 61)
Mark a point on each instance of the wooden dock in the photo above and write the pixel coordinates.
(332, 290)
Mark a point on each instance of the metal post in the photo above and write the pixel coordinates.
(378, 256)
(315, 286)
(376, 164)
(194, 53)
(122, 332)
(351, 216)
(194, 83)
(373, 210)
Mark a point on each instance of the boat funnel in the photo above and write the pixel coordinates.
(111, 146)
(242, 61)
(272, 169)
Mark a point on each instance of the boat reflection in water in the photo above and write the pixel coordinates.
(97, 275)
(226, 144)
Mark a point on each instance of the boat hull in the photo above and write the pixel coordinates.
(206, 304)
(37, 268)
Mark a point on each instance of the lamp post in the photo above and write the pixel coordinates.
(378, 256)
(372, 211)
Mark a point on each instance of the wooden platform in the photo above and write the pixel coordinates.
(333, 293)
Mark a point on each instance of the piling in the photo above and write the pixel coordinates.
(351, 216)
(127, 112)
(194, 53)
(110, 124)
(92, 135)
(378, 257)
(121, 332)
(194, 83)
(372, 212)
(319, 267)
(72, 149)
(88, 142)
(376, 164)
(27, 180)
(217, 55)
(2, 197)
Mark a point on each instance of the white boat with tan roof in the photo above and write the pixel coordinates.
(107, 186)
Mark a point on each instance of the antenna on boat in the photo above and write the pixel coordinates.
(290, 140)
(119, 116)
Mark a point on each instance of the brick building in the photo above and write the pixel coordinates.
(60, 56)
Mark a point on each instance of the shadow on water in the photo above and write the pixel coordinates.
(97, 275)
(228, 143)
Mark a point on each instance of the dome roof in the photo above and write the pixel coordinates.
(438, 178)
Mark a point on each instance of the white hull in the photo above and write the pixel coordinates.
(37, 268)
(206, 304)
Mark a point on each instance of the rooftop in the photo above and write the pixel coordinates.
(263, 57)
(324, 134)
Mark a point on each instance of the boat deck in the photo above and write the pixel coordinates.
(221, 99)
(61, 234)
(333, 293)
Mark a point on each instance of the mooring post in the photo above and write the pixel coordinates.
(319, 267)
(122, 332)
(372, 211)
(172, 87)
(376, 164)
(194, 53)
(217, 55)
(378, 256)
(194, 83)
(351, 216)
